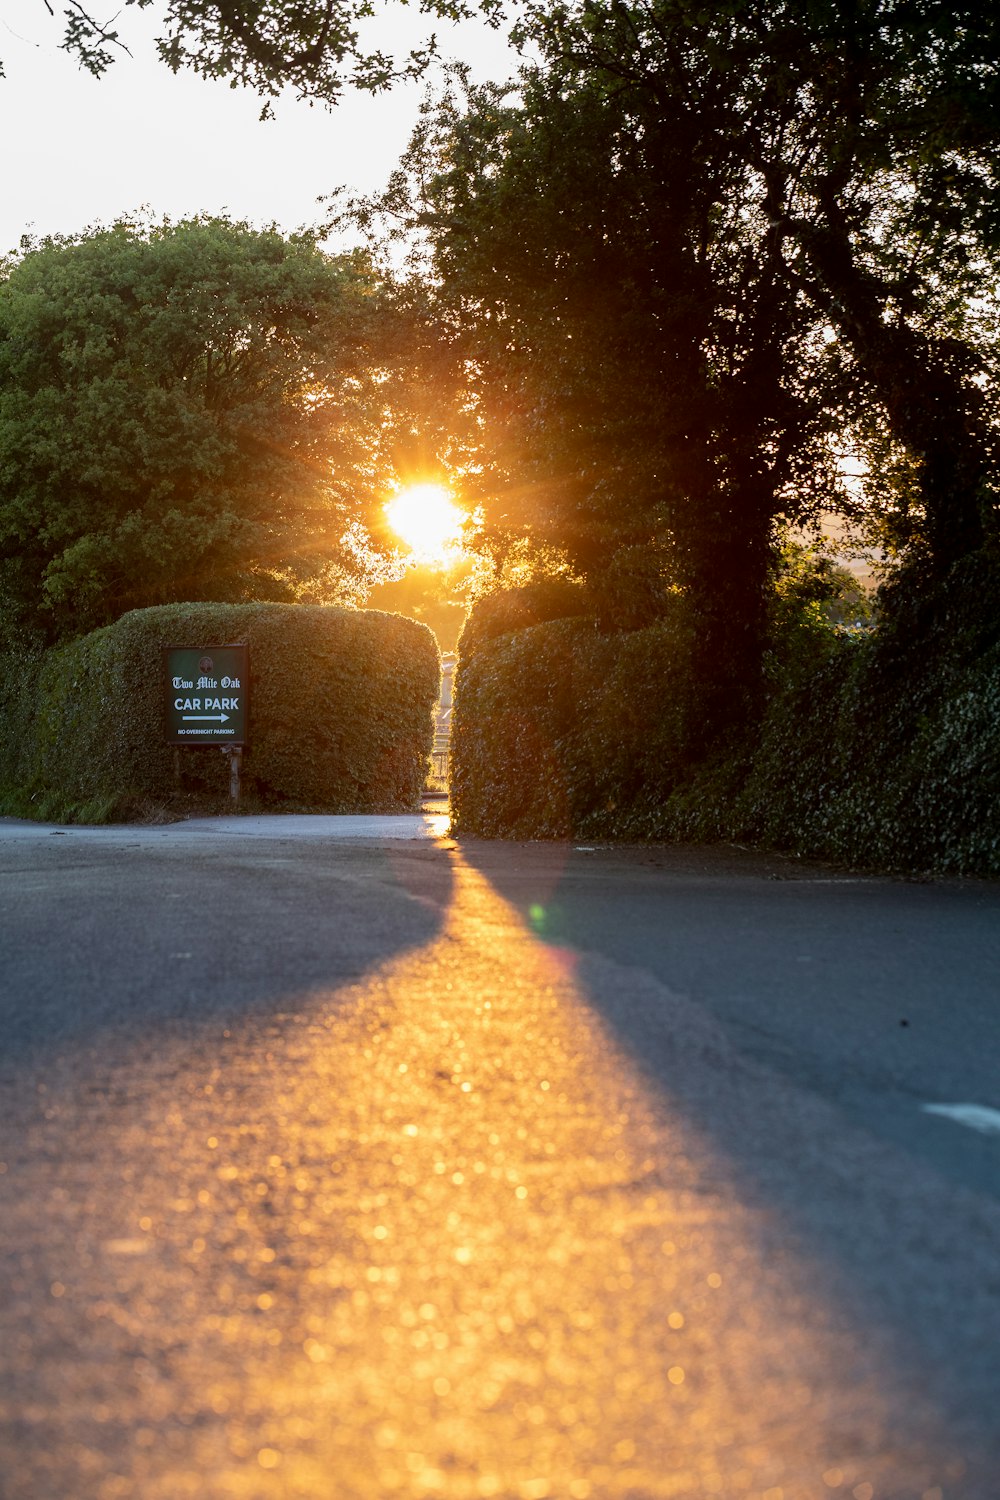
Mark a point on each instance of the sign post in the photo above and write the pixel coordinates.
(207, 697)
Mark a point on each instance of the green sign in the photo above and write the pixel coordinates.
(206, 694)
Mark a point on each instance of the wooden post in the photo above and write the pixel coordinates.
(235, 760)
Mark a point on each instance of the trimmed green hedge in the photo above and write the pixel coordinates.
(515, 609)
(889, 754)
(880, 750)
(340, 710)
(896, 776)
(559, 729)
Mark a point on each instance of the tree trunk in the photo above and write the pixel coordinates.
(933, 408)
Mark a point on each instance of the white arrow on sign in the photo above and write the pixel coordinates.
(210, 718)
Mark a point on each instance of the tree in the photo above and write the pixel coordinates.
(632, 345)
(698, 250)
(187, 411)
(315, 48)
(868, 135)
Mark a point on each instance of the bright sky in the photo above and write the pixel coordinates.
(77, 150)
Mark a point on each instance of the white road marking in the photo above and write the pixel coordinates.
(977, 1116)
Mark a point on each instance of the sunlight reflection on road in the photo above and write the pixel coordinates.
(447, 1243)
(526, 1300)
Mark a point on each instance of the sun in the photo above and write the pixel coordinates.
(426, 518)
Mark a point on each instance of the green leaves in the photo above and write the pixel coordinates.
(264, 45)
(878, 750)
(186, 411)
(340, 711)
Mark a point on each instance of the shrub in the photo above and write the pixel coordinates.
(878, 750)
(559, 729)
(512, 609)
(340, 709)
(20, 672)
(886, 755)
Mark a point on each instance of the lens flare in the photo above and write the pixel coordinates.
(425, 517)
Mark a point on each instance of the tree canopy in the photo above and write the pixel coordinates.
(633, 351)
(865, 136)
(187, 411)
(695, 255)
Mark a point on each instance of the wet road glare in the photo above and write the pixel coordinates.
(427, 1233)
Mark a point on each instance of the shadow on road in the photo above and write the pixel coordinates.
(100, 940)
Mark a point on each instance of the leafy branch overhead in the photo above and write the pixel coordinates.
(315, 47)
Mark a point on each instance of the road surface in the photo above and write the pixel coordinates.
(341, 1161)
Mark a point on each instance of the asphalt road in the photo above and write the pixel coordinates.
(339, 1161)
